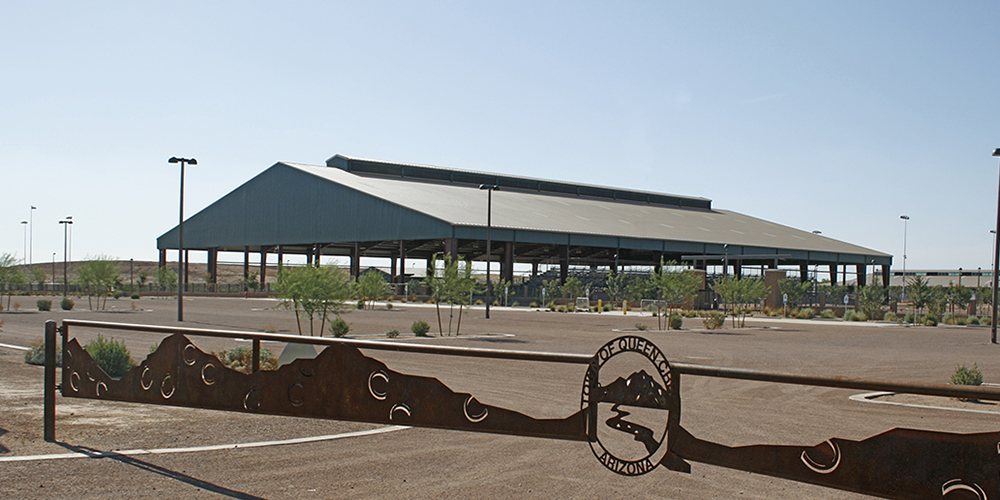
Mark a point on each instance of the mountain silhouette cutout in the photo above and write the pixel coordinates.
(639, 389)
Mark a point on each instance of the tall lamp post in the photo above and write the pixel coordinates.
(24, 258)
(66, 223)
(31, 234)
(906, 219)
(180, 238)
(996, 264)
(489, 242)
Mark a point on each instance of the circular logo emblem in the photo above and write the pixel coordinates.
(632, 401)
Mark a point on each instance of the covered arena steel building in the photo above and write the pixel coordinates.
(369, 208)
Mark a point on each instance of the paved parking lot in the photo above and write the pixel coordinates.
(176, 452)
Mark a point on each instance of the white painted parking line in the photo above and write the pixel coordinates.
(870, 398)
(161, 451)
(15, 347)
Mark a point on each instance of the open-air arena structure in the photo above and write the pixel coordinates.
(362, 208)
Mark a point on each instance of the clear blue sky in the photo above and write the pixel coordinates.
(830, 116)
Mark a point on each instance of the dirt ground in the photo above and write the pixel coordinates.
(428, 463)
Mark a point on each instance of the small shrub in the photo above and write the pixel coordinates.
(571, 307)
(388, 306)
(714, 320)
(967, 376)
(17, 306)
(827, 313)
(36, 356)
(135, 296)
(805, 313)
(858, 316)
(890, 316)
(479, 302)
(496, 303)
(533, 304)
(908, 317)
(948, 318)
(420, 328)
(552, 306)
(118, 294)
(392, 333)
(339, 327)
(929, 319)
(641, 327)
(676, 321)
(515, 304)
(67, 304)
(270, 329)
(690, 314)
(110, 355)
(44, 304)
(985, 320)
(240, 358)
(607, 307)
(972, 320)
(561, 309)
(361, 304)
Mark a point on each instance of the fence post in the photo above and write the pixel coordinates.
(256, 356)
(49, 409)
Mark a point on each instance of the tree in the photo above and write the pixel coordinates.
(38, 276)
(920, 294)
(11, 277)
(639, 288)
(673, 287)
(552, 290)
(834, 292)
(500, 288)
(97, 276)
(574, 288)
(870, 300)
(166, 278)
(458, 287)
(740, 294)
(959, 296)
(794, 289)
(312, 291)
(984, 296)
(252, 282)
(436, 286)
(615, 287)
(452, 284)
(937, 300)
(372, 286)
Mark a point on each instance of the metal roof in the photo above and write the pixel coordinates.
(430, 173)
(297, 204)
(466, 206)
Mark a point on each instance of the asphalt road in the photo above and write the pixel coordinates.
(427, 463)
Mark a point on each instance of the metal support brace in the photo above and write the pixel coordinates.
(49, 409)
(255, 366)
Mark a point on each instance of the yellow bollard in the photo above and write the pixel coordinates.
(625, 307)
(600, 305)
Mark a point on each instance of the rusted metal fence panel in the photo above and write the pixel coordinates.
(629, 412)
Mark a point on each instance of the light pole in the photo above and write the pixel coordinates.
(180, 238)
(906, 219)
(24, 258)
(53, 268)
(66, 224)
(489, 249)
(70, 218)
(31, 233)
(996, 264)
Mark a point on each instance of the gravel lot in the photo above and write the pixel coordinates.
(426, 463)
